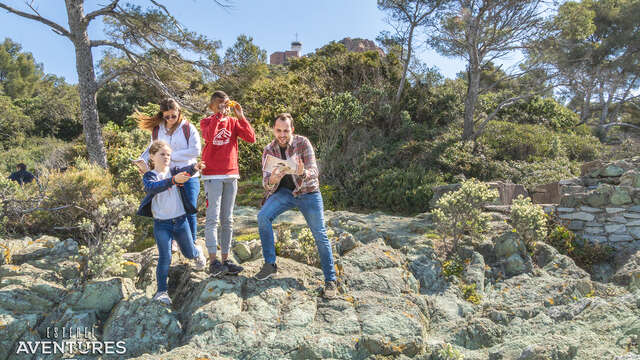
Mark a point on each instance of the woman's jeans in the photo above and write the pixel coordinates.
(192, 189)
(221, 196)
(313, 211)
(164, 231)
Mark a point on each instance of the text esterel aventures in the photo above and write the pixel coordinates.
(70, 341)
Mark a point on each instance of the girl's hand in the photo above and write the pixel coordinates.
(200, 165)
(182, 177)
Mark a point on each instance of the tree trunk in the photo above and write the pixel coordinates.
(585, 114)
(470, 102)
(406, 65)
(87, 84)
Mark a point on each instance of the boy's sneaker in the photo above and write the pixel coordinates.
(163, 297)
(174, 246)
(330, 289)
(266, 272)
(201, 260)
(231, 268)
(216, 268)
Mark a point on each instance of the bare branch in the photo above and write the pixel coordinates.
(107, 10)
(56, 27)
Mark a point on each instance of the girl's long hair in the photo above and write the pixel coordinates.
(149, 122)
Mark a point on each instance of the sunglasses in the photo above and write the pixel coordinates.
(170, 117)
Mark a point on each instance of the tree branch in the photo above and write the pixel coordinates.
(54, 26)
(101, 12)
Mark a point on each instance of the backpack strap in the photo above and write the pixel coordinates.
(186, 130)
(154, 132)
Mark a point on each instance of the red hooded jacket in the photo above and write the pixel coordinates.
(220, 152)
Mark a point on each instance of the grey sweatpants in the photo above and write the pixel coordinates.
(221, 196)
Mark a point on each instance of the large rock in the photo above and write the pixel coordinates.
(144, 325)
(511, 252)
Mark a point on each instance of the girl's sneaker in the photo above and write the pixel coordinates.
(163, 297)
(201, 260)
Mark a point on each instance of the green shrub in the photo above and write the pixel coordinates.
(38, 154)
(470, 293)
(107, 233)
(510, 141)
(528, 219)
(535, 173)
(453, 266)
(583, 252)
(543, 111)
(459, 212)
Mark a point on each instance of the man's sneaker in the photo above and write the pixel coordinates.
(267, 271)
(201, 260)
(216, 268)
(174, 246)
(330, 289)
(163, 297)
(231, 268)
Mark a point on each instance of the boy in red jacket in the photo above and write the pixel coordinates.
(220, 177)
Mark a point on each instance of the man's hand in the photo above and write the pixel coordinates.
(300, 168)
(276, 176)
(182, 177)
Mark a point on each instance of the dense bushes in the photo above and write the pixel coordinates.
(509, 141)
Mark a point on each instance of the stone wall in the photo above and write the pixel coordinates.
(603, 205)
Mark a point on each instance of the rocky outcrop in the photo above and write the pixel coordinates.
(360, 45)
(395, 301)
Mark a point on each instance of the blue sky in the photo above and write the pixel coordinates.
(272, 24)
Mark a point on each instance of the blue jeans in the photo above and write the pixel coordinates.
(164, 231)
(192, 189)
(313, 211)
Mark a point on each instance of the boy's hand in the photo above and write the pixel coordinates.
(238, 110)
(182, 177)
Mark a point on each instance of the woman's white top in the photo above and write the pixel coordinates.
(182, 154)
(167, 204)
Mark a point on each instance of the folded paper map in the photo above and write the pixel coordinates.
(286, 166)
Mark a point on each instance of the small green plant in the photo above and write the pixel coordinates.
(247, 237)
(470, 293)
(453, 266)
(583, 252)
(447, 352)
(459, 213)
(529, 220)
(107, 234)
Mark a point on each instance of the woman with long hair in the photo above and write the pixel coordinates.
(183, 138)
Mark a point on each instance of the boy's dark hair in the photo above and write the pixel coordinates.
(218, 95)
(282, 116)
(22, 166)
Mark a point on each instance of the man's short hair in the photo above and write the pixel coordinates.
(282, 116)
(22, 166)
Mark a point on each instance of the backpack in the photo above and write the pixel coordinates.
(186, 130)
